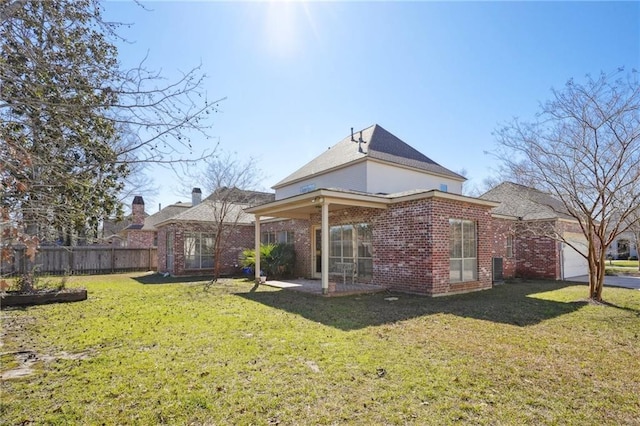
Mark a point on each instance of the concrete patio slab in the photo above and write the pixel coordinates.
(315, 287)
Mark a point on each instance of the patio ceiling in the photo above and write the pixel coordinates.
(304, 205)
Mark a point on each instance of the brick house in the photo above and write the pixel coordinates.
(532, 217)
(115, 232)
(185, 239)
(390, 215)
(400, 219)
(374, 207)
(142, 231)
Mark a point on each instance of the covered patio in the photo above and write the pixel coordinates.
(303, 206)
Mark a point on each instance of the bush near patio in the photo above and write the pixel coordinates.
(522, 353)
(276, 260)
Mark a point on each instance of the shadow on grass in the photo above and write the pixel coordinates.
(624, 308)
(509, 304)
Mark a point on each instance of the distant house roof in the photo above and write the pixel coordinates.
(113, 226)
(241, 196)
(525, 202)
(377, 144)
(164, 214)
(209, 211)
(133, 226)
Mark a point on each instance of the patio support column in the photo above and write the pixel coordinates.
(325, 247)
(257, 249)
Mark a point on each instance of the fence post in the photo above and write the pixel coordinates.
(71, 261)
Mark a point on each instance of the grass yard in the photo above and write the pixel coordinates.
(622, 267)
(624, 263)
(523, 353)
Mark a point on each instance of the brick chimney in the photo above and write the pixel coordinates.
(196, 197)
(137, 210)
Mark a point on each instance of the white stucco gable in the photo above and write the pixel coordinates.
(372, 161)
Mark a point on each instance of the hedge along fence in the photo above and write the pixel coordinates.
(82, 260)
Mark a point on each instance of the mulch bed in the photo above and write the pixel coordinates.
(15, 298)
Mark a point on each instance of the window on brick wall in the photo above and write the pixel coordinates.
(463, 260)
(351, 244)
(198, 250)
(280, 237)
(170, 251)
(509, 245)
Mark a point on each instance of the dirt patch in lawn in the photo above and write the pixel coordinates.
(27, 360)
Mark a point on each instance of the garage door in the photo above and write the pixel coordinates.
(573, 263)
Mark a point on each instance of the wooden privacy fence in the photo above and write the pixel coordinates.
(82, 260)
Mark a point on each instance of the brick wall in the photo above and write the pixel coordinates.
(162, 248)
(140, 239)
(442, 211)
(502, 228)
(402, 250)
(137, 211)
(538, 256)
(236, 240)
(411, 244)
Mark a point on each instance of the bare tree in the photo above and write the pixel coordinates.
(232, 183)
(584, 149)
(634, 228)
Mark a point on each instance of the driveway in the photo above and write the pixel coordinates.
(612, 281)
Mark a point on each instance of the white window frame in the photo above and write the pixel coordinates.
(356, 248)
(509, 248)
(463, 251)
(277, 237)
(197, 254)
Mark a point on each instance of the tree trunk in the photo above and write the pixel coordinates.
(596, 274)
(217, 252)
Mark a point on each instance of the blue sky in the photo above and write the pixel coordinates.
(439, 75)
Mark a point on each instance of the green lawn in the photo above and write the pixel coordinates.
(624, 263)
(622, 267)
(133, 353)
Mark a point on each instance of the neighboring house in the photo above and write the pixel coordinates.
(114, 232)
(146, 234)
(623, 248)
(185, 239)
(533, 215)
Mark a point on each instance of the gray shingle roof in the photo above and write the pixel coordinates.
(208, 211)
(163, 215)
(525, 202)
(380, 145)
(241, 196)
(133, 226)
